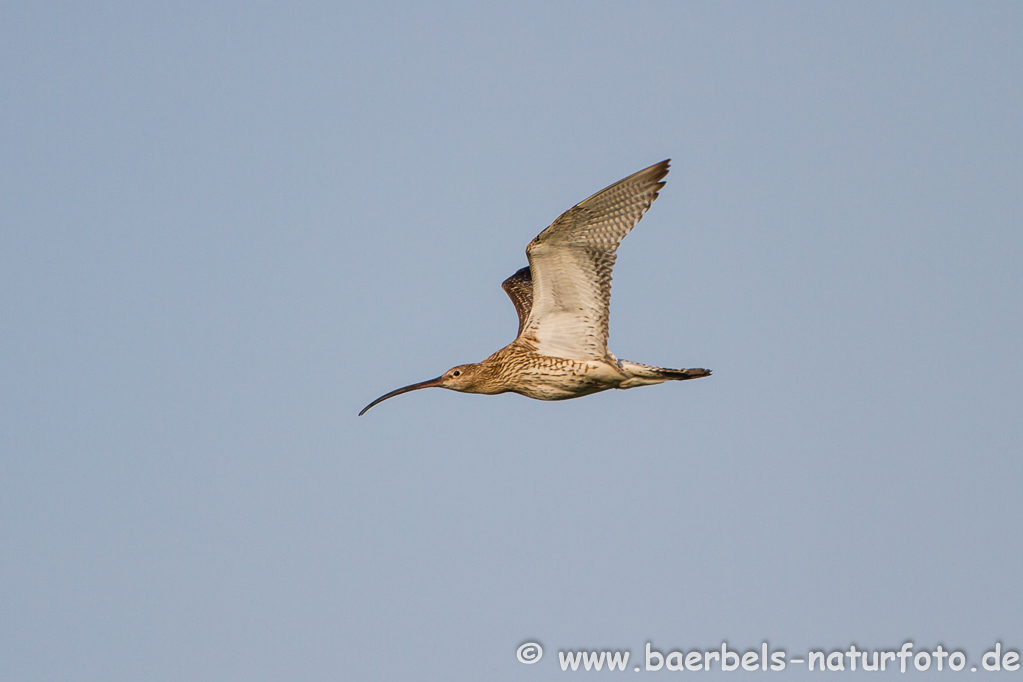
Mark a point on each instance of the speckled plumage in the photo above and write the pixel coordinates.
(562, 303)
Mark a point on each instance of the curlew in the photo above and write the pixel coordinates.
(562, 299)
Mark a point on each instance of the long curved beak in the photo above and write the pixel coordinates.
(414, 387)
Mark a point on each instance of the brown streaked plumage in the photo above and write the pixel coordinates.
(562, 300)
(519, 288)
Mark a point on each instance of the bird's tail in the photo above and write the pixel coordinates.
(645, 375)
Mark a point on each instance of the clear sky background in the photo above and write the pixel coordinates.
(226, 227)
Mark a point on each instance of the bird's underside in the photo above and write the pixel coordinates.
(562, 300)
(559, 378)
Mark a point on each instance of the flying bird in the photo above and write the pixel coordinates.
(562, 300)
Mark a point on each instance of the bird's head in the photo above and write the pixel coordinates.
(461, 378)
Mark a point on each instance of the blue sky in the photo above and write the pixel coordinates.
(227, 227)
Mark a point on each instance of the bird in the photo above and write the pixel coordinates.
(562, 300)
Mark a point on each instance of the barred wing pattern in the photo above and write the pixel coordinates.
(571, 264)
(519, 288)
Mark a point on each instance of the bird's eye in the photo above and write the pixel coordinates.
(455, 373)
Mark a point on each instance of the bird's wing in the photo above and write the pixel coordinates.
(519, 288)
(571, 265)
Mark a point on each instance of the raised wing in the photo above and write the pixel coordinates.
(571, 264)
(519, 288)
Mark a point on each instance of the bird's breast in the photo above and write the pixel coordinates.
(560, 379)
